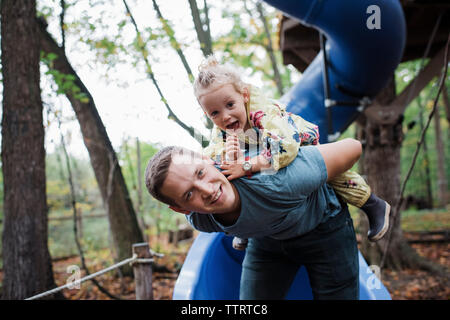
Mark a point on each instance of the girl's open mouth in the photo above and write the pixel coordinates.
(233, 126)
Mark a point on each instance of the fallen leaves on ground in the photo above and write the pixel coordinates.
(410, 284)
(403, 285)
(122, 287)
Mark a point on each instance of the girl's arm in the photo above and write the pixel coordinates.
(283, 132)
(280, 139)
(340, 156)
(280, 136)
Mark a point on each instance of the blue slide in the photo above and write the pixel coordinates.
(364, 44)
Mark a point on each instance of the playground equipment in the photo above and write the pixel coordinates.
(358, 62)
(212, 271)
(364, 44)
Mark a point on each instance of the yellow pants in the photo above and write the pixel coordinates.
(351, 187)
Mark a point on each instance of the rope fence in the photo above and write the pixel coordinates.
(141, 260)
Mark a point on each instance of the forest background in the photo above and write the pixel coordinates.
(138, 59)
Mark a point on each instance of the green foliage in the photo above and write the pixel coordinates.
(65, 83)
(61, 239)
(155, 214)
(425, 220)
(58, 189)
(246, 43)
(416, 185)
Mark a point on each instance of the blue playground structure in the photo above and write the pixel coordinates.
(357, 58)
(212, 271)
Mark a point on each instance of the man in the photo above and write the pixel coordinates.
(292, 218)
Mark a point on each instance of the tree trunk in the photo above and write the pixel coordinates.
(440, 150)
(122, 217)
(381, 165)
(26, 259)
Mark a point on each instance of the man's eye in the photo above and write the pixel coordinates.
(189, 195)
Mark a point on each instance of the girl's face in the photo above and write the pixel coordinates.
(226, 108)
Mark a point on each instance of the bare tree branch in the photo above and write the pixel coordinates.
(193, 132)
(173, 41)
(61, 24)
(269, 48)
(204, 36)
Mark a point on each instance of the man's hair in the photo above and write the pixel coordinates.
(158, 168)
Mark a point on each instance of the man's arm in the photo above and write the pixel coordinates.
(340, 156)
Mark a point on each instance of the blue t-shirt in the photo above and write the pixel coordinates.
(284, 205)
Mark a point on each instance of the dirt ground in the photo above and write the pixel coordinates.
(404, 285)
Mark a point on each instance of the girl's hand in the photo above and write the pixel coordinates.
(232, 148)
(232, 170)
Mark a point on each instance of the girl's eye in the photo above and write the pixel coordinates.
(230, 104)
(188, 196)
(200, 172)
(213, 114)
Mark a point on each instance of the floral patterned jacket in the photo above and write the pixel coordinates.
(277, 133)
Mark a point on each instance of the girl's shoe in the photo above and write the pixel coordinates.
(239, 244)
(377, 210)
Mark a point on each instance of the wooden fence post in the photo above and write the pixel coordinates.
(143, 272)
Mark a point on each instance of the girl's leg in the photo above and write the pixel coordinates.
(352, 188)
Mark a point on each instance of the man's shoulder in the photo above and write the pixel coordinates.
(203, 222)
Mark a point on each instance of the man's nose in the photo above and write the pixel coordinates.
(206, 189)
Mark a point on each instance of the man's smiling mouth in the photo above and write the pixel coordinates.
(217, 195)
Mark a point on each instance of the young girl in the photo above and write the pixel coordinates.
(244, 116)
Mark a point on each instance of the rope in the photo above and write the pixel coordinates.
(134, 259)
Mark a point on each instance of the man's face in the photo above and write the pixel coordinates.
(196, 185)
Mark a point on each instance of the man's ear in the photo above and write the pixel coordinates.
(178, 209)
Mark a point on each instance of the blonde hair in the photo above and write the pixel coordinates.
(213, 75)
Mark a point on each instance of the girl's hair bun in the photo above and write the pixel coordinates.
(210, 61)
(212, 74)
